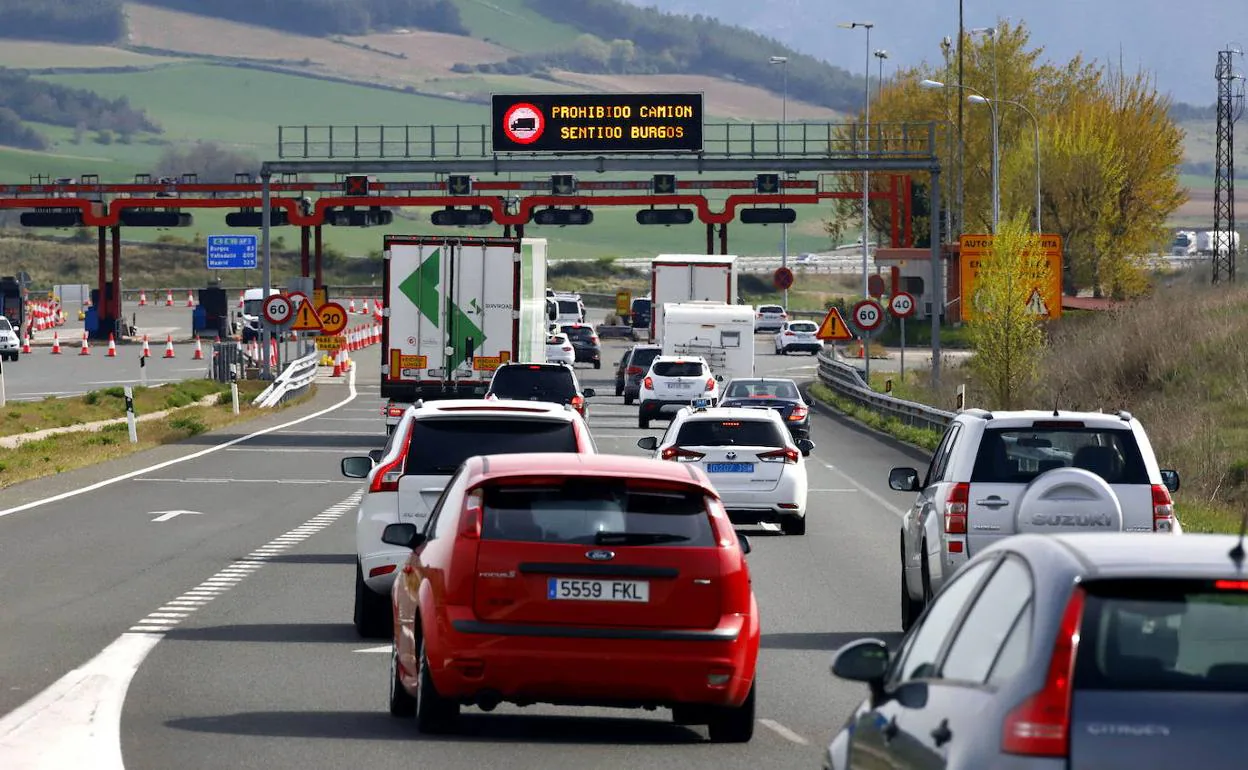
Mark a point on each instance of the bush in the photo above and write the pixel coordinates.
(189, 424)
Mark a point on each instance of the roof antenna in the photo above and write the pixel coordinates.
(1061, 391)
(1237, 553)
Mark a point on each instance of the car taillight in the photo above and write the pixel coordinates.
(1163, 509)
(786, 455)
(798, 413)
(784, 314)
(593, 339)
(955, 509)
(393, 411)
(633, 370)
(1040, 725)
(710, 383)
(386, 479)
(567, 347)
(648, 383)
(577, 403)
(681, 455)
(470, 523)
(760, 315)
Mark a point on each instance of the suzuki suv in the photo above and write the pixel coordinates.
(405, 479)
(997, 474)
(673, 383)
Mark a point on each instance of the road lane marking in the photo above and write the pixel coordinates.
(382, 648)
(168, 515)
(76, 722)
(778, 729)
(351, 396)
(248, 481)
(831, 490)
(868, 492)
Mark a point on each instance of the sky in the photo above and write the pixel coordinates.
(1177, 40)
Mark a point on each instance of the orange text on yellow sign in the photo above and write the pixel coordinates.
(1045, 298)
(330, 342)
(623, 303)
(833, 327)
(400, 362)
(486, 363)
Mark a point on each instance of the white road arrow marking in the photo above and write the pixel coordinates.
(382, 648)
(167, 515)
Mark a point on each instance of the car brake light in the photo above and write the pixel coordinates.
(1163, 509)
(1230, 585)
(394, 411)
(681, 455)
(386, 478)
(577, 402)
(955, 509)
(760, 315)
(798, 413)
(710, 383)
(593, 339)
(786, 456)
(1040, 725)
(783, 314)
(567, 347)
(633, 370)
(648, 383)
(470, 525)
(789, 334)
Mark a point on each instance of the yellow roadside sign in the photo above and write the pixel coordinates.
(833, 327)
(1045, 298)
(330, 343)
(319, 297)
(623, 303)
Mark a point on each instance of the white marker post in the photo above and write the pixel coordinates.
(903, 349)
(130, 421)
(234, 395)
(3, 398)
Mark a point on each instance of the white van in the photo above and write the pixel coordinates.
(253, 313)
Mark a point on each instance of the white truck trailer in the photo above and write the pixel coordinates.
(457, 308)
(721, 333)
(690, 277)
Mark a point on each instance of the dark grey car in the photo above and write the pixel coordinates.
(1047, 652)
(635, 367)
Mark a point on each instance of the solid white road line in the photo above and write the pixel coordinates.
(351, 395)
(778, 729)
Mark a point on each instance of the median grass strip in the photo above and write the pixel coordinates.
(106, 404)
(67, 451)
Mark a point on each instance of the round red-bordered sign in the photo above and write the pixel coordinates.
(902, 305)
(782, 278)
(278, 309)
(868, 315)
(523, 123)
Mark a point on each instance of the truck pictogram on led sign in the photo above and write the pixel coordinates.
(574, 123)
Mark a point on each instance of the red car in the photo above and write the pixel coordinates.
(580, 580)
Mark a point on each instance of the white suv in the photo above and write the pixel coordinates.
(997, 474)
(10, 345)
(673, 383)
(405, 480)
(750, 457)
(769, 318)
(798, 335)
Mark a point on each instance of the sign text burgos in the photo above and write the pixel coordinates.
(576, 123)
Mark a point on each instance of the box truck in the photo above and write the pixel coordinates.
(457, 308)
(722, 334)
(690, 277)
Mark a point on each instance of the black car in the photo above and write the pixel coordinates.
(766, 393)
(585, 340)
(634, 366)
(639, 313)
(552, 383)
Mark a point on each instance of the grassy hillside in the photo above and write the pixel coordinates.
(514, 24)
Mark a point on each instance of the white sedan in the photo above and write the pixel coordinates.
(753, 461)
(559, 349)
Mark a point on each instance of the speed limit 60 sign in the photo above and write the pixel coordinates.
(901, 305)
(867, 315)
(278, 309)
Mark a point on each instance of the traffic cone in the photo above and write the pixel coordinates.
(273, 353)
(199, 351)
(56, 344)
(168, 347)
(26, 343)
(147, 350)
(112, 347)
(337, 364)
(169, 298)
(190, 298)
(85, 350)
(142, 298)
(351, 307)
(242, 293)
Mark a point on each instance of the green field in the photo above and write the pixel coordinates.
(17, 166)
(511, 23)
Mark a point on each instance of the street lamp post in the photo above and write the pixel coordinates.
(1036, 125)
(866, 175)
(996, 176)
(880, 54)
(781, 137)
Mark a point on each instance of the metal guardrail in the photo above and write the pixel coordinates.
(295, 378)
(847, 381)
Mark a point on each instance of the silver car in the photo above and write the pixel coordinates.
(1063, 652)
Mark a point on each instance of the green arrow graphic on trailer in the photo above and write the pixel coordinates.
(421, 287)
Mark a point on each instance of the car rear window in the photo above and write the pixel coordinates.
(578, 332)
(641, 305)
(556, 339)
(541, 383)
(440, 445)
(761, 390)
(1167, 635)
(771, 309)
(569, 307)
(1018, 455)
(644, 356)
(596, 511)
(678, 369)
(729, 433)
(804, 326)
(4, 325)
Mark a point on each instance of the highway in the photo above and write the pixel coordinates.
(219, 589)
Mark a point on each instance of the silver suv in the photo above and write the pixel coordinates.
(1006, 473)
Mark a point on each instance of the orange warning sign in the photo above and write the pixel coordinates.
(833, 327)
(306, 318)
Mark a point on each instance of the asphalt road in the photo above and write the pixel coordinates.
(237, 616)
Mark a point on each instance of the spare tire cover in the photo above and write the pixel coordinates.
(1068, 500)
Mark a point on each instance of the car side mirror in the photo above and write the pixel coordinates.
(745, 544)
(357, 467)
(588, 392)
(403, 535)
(903, 479)
(806, 446)
(865, 660)
(648, 443)
(1171, 479)
(376, 455)
(719, 378)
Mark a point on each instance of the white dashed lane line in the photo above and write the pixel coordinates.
(783, 732)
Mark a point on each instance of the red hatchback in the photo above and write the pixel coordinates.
(582, 580)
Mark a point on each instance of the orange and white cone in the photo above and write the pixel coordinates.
(56, 344)
(147, 349)
(112, 346)
(168, 347)
(190, 298)
(199, 350)
(169, 298)
(351, 307)
(142, 298)
(241, 294)
(337, 364)
(273, 353)
(26, 343)
(85, 350)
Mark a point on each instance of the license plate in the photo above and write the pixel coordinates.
(730, 467)
(636, 591)
(681, 385)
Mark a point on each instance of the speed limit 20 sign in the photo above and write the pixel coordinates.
(867, 315)
(901, 305)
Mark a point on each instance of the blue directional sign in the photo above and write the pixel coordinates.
(232, 252)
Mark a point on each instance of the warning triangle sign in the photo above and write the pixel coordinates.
(306, 318)
(833, 327)
(1036, 304)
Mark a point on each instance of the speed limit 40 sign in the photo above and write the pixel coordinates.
(901, 305)
(867, 315)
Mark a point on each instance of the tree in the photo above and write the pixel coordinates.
(1008, 339)
(212, 162)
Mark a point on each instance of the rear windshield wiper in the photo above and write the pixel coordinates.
(636, 538)
(444, 468)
